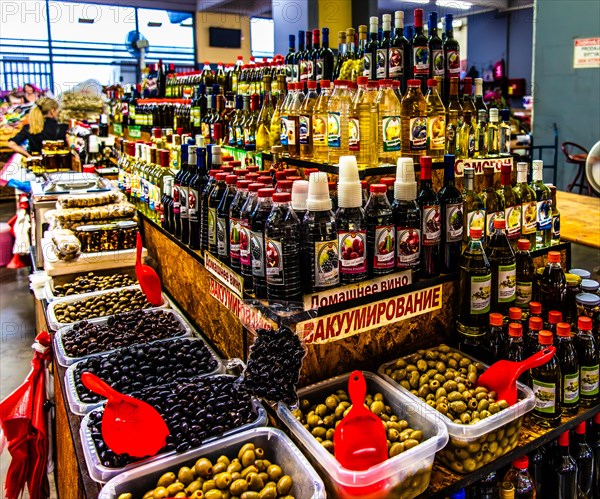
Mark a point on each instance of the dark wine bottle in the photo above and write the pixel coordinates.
(589, 358)
(326, 59)
(451, 204)
(584, 457)
(398, 55)
(429, 202)
(420, 52)
(451, 54)
(546, 382)
(564, 476)
(370, 55)
(436, 49)
(289, 60)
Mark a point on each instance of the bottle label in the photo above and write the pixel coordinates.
(481, 293)
(507, 282)
(475, 220)
(239, 136)
(304, 123)
(571, 388)
(326, 263)
(176, 203)
(544, 214)
(319, 69)
(490, 217)
(212, 226)
(529, 213)
(390, 127)
(437, 60)
(524, 293)
(385, 242)
(590, 377)
(453, 61)
(512, 215)
(437, 132)
(306, 70)
(432, 225)
(556, 227)
(283, 130)
(353, 134)
(319, 129)
(245, 236)
(291, 131)
(504, 140)
(295, 72)
(274, 262)
(235, 235)
(421, 60)
(454, 222)
(289, 72)
(193, 196)
(471, 145)
(221, 236)
(333, 129)
(545, 396)
(367, 65)
(183, 199)
(352, 251)
(418, 133)
(195, 117)
(205, 130)
(395, 62)
(258, 253)
(408, 247)
(382, 55)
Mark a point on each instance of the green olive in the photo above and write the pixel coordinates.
(224, 459)
(284, 485)
(269, 492)
(213, 494)
(321, 410)
(185, 475)
(175, 488)
(410, 443)
(245, 447)
(203, 467)
(223, 480)
(160, 493)
(219, 468)
(194, 486)
(318, 432)
(250, 494)
(234, 467)
(396, 448)
(377, 407)
(454, 396)
(197, 494)
(208, 485)
(126, 495)
(248, 458)
(255, 481)
(238, 487)
(166, 479)
(458, 406)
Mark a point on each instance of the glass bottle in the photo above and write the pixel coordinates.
(326, 59)
(497, 338)
(544, 206)
(528, 205)
(563, 479)
(588, 356)
(184, 194)
(381, 70)
(519, 476)
(453, 102)
(506, 490)
(535, 325)
(381, 233)
(555, 238)
(289, 59)
(236, 234)
(525, 274)
(436, 119)
(420, 57)
(213, 204)
(257, 222)
(514, 349)
(554, 317)
(338, 113)
(546, 382)
(398, 56)
(466, 136)
(512, 206)
(341, 56)
(452, 134)
(362, 123)
(429, 203)
(319, 124)
(178, 190)
(370, 54)
(493, 135)
(413, 118)
(451, 55)
(206, 192)
(553, 285)
(437, 67)
(245, 218)
(504, 132)
(386, 107)
(584, 457)
(479, 102)
(569, 368)
(473, 207)
(316, 50)
(223, 222)
(467, 97)
(451, 203)
(481, 135)
(197, 184)
(305, 120)
(504, 269)
(494, 203)
(293, 121)
(263, 132)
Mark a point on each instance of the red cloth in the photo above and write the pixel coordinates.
(24, 424)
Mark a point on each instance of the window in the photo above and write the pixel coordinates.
(170, 41)
(262, 37)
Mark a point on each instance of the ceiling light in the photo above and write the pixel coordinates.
(456, 23)
(154, 24)
(454, 4)
(83, 20)
(416, 1)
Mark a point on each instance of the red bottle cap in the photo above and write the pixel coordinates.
(563, 329)
(584, 324)
(523, 244)
(554, 257)
(293, 178)
(563, 440)
(255, 186)
(362, 80)
(418, 18)
(373, 84)
(266, 192)
(252, 176)
(545, 337)
(506, 169)
(222, 176)
(252, 169)
(281, 197)
(580, 428)
(285, 184)
(231, 179)
(389, 181)
(242, 184)
(265, 179)
(536, 323)
(432, 82)
(554, 317)
(395, 84)
(312, 84)
(535, 307)
(515, 313)
(515, 330)
(414, 83)
(495, 319)
(325, 83)
(290, 171)
(227, 159)
(499, 223)
(521, 463)
(240, 172)
(426, 167)
(385, 83)
(280, 175)
(597, 418)
(227, 168)
(236, 163)
(308, 171)
(332, 186)
(378, 188)
(476, 233)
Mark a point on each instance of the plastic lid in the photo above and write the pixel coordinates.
(521, 463)
(522, 167)
(536, 323)
(290, 171)
(495, 319)
(378, 188)
(312, 84)
(299, 194)
(515, 313)
(318, 192)
(580, 428)
(515, 330)
(332, 186)
(325, 83)
(252, 176)
(362, 80)
(385, 83)
(349, 188)
(388, 181)
(266, 192)
(493, 114)
(308, 171)
(281, 197)
(373, 84)
(395, 84)
(537, 164)
(405, 187)
(284, 184)
(554, 257)
(584, 324)
(499, 223)
(476, 232)
(221, 176)
(589, 285)
(563, 439)
(242, 184)
(280, 175)
(588, 299)
(545, 337)
(255, 186)
(554, 316)
(584, 274)
(535, 307)
(432, 82)
(231, 179)
(293, 178)
(414, 83)
(227, 168)
(265, 179)
(563, 329)
(523, 244)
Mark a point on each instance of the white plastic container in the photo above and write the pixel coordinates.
(65, 360)
(471, 446)
(81, 408)
(277, 446)
(405, 475)
(61, 280)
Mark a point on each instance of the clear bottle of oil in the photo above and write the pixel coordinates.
(493, 135)
(361, 141)
(436, 121)
(305, 121)
(481, 134)
(319, 123)
(413, 119)
(293, 121)
(386, 108)
(338, 113)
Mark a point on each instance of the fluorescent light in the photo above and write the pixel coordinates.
(154, 24)
(416, 1)
(456, 4)
(456, 23)
(83, 20)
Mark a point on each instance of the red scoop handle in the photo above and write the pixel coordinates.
(536, 360)
(96, 385)
(138, 250)
(357, 387)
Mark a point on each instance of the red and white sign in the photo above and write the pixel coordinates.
(223, 273)
(480, 163)
(586, 53)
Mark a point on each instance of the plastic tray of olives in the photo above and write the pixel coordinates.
(472, 444)
(404, 475)
(55, 324)
(89, 282)
(102, 474)
(65, 360)
(81, 408)
(277, 447)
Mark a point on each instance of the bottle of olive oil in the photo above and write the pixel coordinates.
(494, 203)
(436, 121)
(528, 205)
(544, 206)
(546, 382)
(481, 134)
(569, 365)
(587, 354)
(466, 136)
(512, 207)
(504, 269)
(525, 274)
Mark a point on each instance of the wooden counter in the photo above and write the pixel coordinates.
(579, 218)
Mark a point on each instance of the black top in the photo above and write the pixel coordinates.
(52, 131)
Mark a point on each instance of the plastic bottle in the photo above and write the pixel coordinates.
(235, 223)
(305, 121)
(519, 476)
(387, 109)
(546, 382)
(223, 223)
(554, 317)
(407, 217)
(525, 274)
(351, 224)
(258, 219)
(515, 348)
(553, 285)
(319, 124)
(436, 121)
(497, 338)
(504, 269)
(493, 135)
(536, 324)
(299, 195)
(362, 125)
(338, 114)
(569, 367)
(246, 235)
(197, 185)
(389, 182)
(319, 232)
(589, 360)
(451, 203)
(413, 120)
(293, 121)
(431, 219)
(381, 233)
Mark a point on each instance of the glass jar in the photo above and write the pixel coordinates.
(588, 305)
(128, 234)
(584, 274)
(573, 289)
(589, 286)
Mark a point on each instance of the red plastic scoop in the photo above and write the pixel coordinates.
(359, 441)
(129, 426)
(147, 277)
(501, 376)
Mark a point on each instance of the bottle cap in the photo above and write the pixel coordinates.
(266, 192)
(554, 257)
(405, 186)
(580, 428)
(221, 176)
(284, 185)
(308, 171)
(563, 329)
(242, 184)
(584, 274)
(535, 307)
(398, 14)
(231, 179)
(378, 188)
(505, 114)
(432, 82)
(414, 83)
(499, 223)
(494, 114)
(395, 84)
(325, 83)
(515, 330)
(299, 195)
(589, 285)
(495, 319)
(584, 324)
(349, 188)
(573, 280)
(312, 84)
(388, 181)
(522, 167)
(536, 323)
(318, 192)
(373, 84)
(521, 463)
(252, 176)
(588, 299)
(282, 197)
(554, 316)
(426, 168)
(523, 244)
(293, 178)
(597, 418)
(515, 313)
(362, 80)
(476, 232)
(545, 337)
(280, 176)
(332, 187)
(253, 187)
(265, 179)
(563, 439)
(537, 164)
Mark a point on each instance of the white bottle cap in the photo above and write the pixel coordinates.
(522, 167)
(373, 24)
(399, 14)
(318, 193)
(386, 22)
(216, 155)
(494, 115)
(299, 194)
(349, 188)
(405, 187)
(537, 164)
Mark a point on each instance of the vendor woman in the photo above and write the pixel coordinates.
(42, 126)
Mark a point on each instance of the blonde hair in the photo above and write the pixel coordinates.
(36, 116)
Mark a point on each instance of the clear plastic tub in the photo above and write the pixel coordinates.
(471, 446)
(81, 408)
(53, 321)
(65, 360)
(277, 446)
(103, 474)
(405, 475)
(51, 283)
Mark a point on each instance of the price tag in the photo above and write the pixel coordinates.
(118, 129)
(135, 132)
